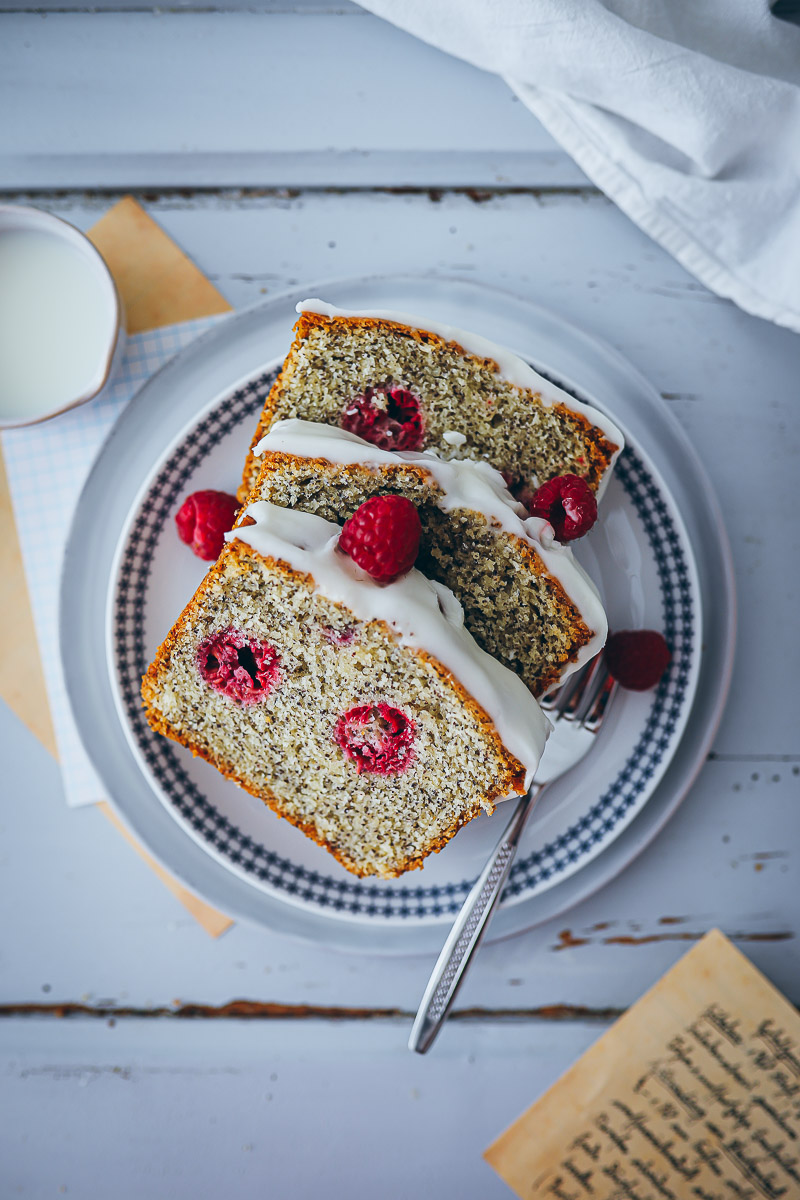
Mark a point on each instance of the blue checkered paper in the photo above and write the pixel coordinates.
(47, 465)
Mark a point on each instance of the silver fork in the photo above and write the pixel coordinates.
(576, 710)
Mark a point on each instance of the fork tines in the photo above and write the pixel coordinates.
(584, 698)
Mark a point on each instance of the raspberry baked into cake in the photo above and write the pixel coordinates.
(355, 704)
(403, 383)
(525, 598)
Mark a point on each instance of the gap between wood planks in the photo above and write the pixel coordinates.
(569, 941)
(256, 1010)
(271, 8)
(249, 1010)
(174, 10)
(186, 196)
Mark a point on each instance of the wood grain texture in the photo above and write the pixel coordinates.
(211, 919)
(238, 109)
(730, 379)
(308, 8)
(291, 1110)
(255, 97)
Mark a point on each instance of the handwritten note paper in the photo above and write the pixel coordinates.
(693, 1095)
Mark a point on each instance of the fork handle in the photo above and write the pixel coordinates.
(467, 933)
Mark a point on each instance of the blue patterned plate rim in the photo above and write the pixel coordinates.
(394, 901)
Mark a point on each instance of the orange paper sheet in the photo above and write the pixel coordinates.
(158, 284)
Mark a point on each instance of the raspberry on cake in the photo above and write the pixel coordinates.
(406, 383)
(526, 601)
(364, 713)
(382, 536)
(245, 669)
(376, 737)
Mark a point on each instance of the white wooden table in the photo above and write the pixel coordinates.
(288, 143)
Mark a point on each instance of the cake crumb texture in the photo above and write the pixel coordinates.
(283, 749)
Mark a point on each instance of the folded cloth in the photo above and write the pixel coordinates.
(687, 115)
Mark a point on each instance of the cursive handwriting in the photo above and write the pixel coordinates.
(715, 1117)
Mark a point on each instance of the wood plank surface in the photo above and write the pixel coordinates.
(264, 98)
(94, 926)
(290, 1112)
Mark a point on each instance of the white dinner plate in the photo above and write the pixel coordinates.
(188, 429)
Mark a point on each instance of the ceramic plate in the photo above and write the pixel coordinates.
(640, 554)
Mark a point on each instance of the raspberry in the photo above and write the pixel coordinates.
(637, 658)
(241, 668)
(568, 503)
(377, 738)
(203, 520)
(382, 536)
(388, 417)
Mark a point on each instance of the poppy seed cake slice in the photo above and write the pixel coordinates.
(406, 383)
(364, 714)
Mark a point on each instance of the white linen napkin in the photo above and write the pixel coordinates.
(686, 113)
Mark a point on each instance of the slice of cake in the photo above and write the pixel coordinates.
(526, 600)
(404, 383)
(363, 713)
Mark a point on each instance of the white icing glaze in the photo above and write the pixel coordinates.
(423, 614)
(464, 484)
(511, 366)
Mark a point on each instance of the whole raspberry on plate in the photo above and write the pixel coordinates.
(203, 520)
(568, 503)
(637, 658)
(389, 417)
(376, 737)
(382, 537)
